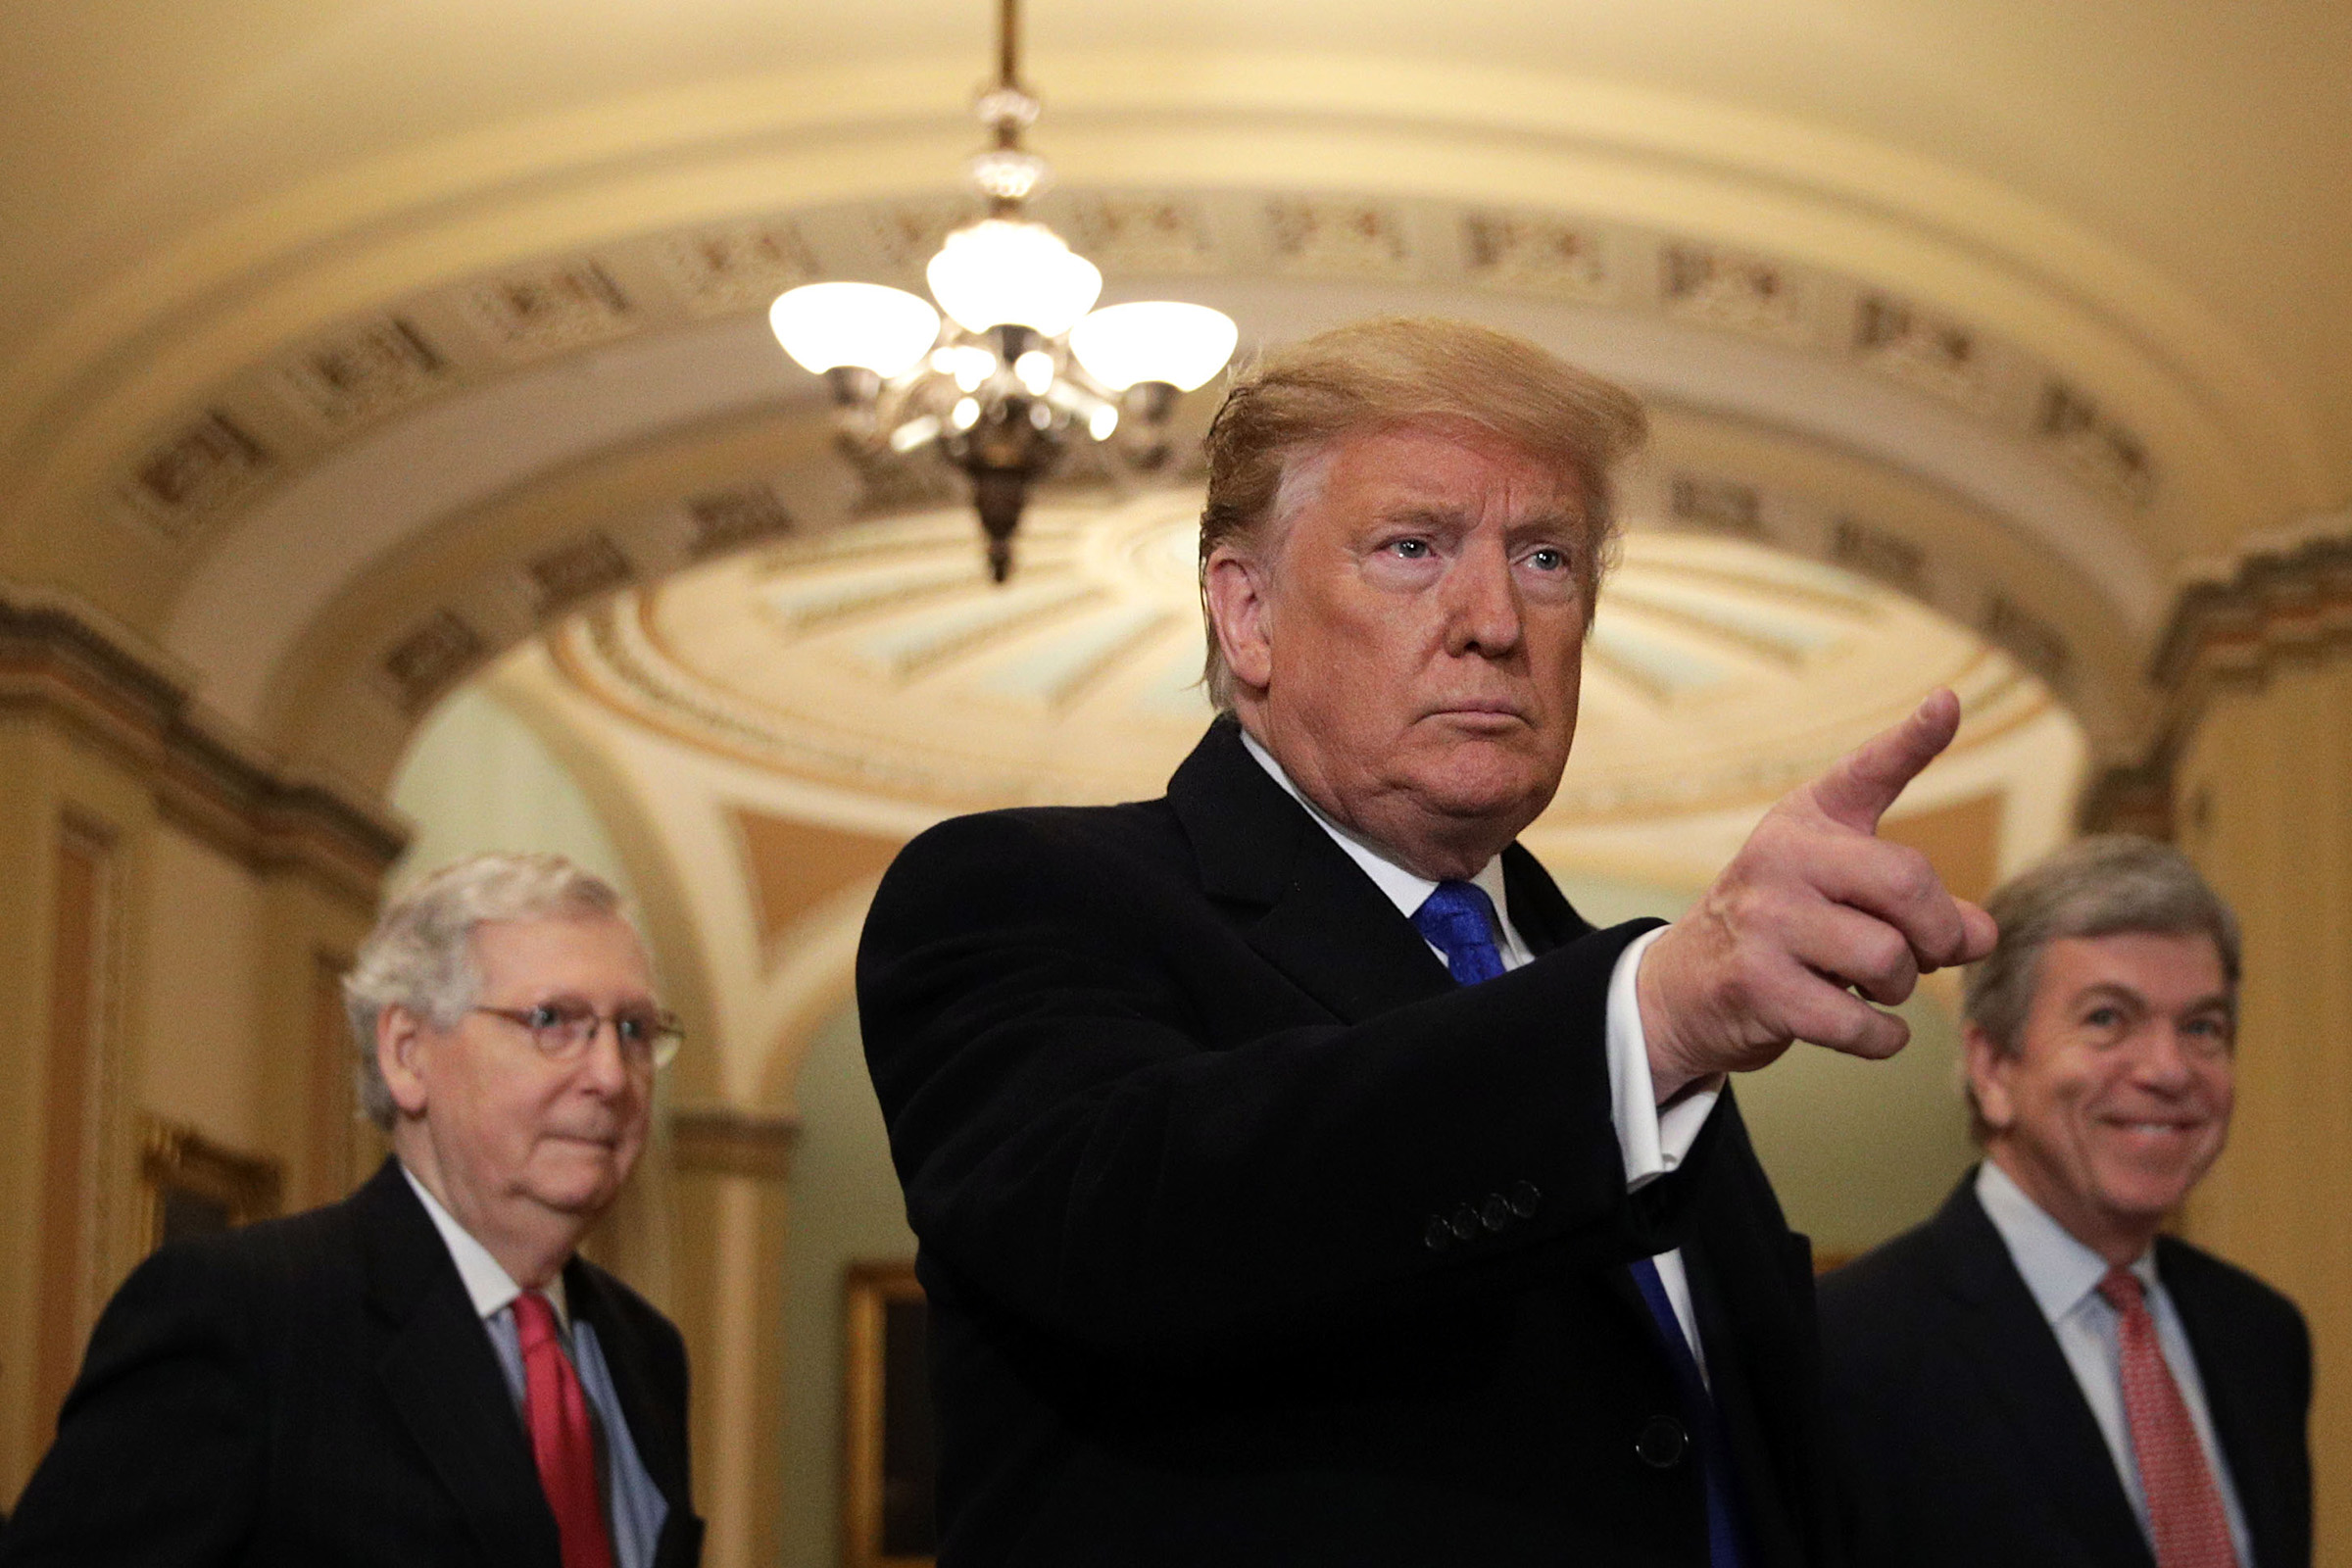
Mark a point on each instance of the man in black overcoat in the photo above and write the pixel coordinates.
(1298, 1180)
(2037, 1376)
(425, 1372)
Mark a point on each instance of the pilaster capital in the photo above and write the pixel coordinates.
(2288, 602)
(74, 665)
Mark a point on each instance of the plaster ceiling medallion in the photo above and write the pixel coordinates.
(1719, 672)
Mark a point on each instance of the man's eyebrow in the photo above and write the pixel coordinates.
(2216, 1001)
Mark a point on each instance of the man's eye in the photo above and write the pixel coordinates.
(1547, 558)
(632, 1030)
(2103, 1017)
(546, 1015)
(1411, 548)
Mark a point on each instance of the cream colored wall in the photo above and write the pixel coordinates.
(477, 779)
(845, 1208)
(202, 1061)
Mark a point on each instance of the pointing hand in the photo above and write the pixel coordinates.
(1814, 903)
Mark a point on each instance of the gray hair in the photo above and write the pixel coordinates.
(2100, 886)
(1290, 403)
(420, 955)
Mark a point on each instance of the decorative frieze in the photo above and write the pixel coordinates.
(1743, 293)
(576, 570)
(207, 465)
(428, 661)
(738, 269)
(1324, 238)
(1536, 254)
(566, 305)
(728, 520)
(366, 373)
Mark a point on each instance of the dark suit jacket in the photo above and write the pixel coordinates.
(1184, 1110)
(317, 1390)
(1965, 1440)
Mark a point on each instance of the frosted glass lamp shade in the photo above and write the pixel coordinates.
(825, 325)
(1004, 270)
(1155, 340)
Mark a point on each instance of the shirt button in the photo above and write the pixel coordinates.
(1662, 1442)
(1464, 1222)
(1437, 1237)
(1495, 1213)
(1525, 1199)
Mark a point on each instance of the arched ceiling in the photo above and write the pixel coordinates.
(343, 343)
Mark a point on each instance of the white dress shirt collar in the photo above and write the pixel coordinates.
(2058, 1269)
(488, 1285)
(1407, 890)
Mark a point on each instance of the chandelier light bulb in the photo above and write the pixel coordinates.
(1102, 422)
(1155, 340)
(965, 414)
(1035, 371)
(827, 325)
(1011, 272)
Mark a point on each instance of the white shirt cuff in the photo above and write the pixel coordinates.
(1651, 1142)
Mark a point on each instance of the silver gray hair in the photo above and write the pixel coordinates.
(420, 955)
(2100, 886)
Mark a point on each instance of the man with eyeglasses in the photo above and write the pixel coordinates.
(425, 1372)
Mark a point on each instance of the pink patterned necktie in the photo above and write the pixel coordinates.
(2184, 1505)
(563, 1445)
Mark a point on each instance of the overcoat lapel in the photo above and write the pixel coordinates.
(2051, 1432)
(1303, 905)
(441, 1375)
(1311, 912)
(661, 1444)
(2214, 1340)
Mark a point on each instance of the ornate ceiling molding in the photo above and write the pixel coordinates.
(1718, 673)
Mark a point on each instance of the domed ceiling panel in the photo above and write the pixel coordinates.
(1719, 672)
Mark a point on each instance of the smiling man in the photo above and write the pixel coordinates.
(425, 1372)
(2037, 1376)
(1299, 1179)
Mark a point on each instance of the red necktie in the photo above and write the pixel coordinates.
(561, 1442)
(2185, 1506)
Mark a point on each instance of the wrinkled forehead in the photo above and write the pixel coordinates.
(1547, 483)
(591, 954)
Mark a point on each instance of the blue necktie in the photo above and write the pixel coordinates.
(1458, 918)
(1458, 921)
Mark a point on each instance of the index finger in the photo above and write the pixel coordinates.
(1857, 791)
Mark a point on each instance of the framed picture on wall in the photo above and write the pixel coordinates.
(890, 1459)
(196, 1186)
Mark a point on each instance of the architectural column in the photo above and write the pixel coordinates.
(167, 901)
(727, 1174)
(2259, 674)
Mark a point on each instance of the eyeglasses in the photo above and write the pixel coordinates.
(564, 1029)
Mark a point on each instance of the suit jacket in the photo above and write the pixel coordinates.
(1252, 1237)
(319, 1389)
(1965, 1440)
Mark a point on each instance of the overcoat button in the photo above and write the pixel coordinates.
(1525, 1199)
(1464, 1222)
(1495, 1213)
(1662, 1442)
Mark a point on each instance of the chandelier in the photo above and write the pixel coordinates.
(1015, 366)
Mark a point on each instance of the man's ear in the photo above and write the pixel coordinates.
(1988, 1068)
(1235, 588)
(399, 1044)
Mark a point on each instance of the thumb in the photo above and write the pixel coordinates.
(1857, 791)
